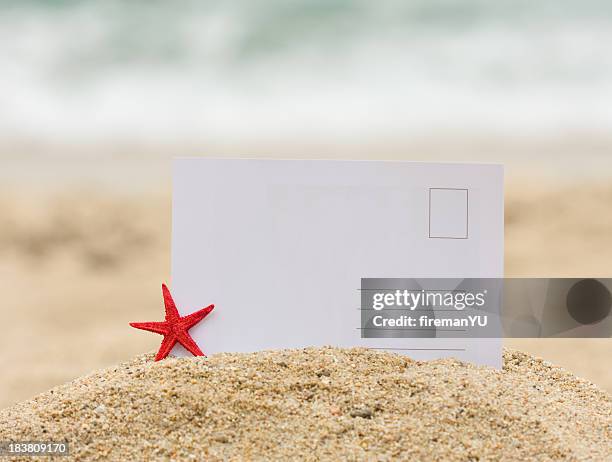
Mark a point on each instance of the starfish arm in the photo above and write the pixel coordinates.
(172, 313)
(166, 346)
(192, 319)
(185, 339)
(161, 328)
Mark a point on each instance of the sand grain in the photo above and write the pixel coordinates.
(328, 404)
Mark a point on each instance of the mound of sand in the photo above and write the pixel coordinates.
(328, 403)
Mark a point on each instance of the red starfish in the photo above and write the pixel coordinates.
(175, 327)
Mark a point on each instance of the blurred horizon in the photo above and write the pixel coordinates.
(254, 71)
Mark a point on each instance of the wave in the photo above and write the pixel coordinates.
(249, 69)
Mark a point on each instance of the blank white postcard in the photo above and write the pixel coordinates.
(280, 247)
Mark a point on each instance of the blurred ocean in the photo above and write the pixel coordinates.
(156, 70)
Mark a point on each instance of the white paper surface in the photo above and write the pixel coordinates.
(280, 247)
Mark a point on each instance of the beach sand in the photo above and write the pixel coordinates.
(321, 404)
(77, 266)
